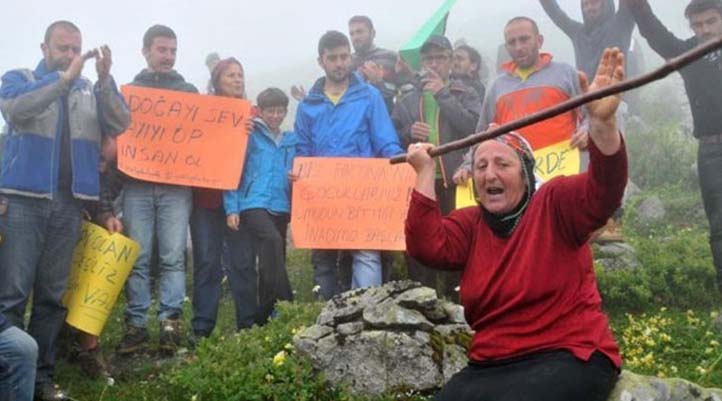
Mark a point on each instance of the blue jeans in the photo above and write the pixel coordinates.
(38, 239)
(207, 232)
(709, 166)
(366, 270)
(162, 211)
(18, 356)
(242, 277)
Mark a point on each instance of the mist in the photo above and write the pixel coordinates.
(275, 40)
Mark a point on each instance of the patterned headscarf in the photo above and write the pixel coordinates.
(503, 225)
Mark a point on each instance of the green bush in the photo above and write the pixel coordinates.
(669, 343)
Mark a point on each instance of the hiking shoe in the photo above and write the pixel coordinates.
(50, 392)
(134, 340)
(92, 364)
(170, 335)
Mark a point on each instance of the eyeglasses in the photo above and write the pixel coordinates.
(439, 58)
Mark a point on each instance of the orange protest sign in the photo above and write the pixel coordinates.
(344, 203)
(184, 139)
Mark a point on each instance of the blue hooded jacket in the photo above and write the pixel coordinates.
(31, 103)
(264, 184)
(358, 126)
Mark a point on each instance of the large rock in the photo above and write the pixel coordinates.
(396, 337)
(633, 387)
(616, 256)
(651, 211)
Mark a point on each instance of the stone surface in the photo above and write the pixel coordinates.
(396, 337)
(633, 387)
(651, 210)
(616, 256)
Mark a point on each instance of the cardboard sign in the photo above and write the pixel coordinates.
(558, 159)
(101, 264)
(347, 203)
(465, 195)
(184, 139)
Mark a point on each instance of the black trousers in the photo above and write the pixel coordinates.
(268, 234)
(547, 376)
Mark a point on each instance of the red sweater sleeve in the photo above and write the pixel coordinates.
(586, 201)
(436, 241)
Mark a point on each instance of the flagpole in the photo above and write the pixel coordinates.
(672, 65)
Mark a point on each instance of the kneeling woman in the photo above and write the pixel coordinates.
(528, 286)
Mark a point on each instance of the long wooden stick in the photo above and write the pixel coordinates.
(669, 67)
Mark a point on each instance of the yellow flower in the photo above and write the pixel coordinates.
(280, 358)
(714, 343)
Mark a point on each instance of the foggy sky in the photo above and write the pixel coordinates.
(275, 40)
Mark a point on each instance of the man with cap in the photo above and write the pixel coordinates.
(438, 110)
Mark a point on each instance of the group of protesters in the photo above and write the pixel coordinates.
(59, 167)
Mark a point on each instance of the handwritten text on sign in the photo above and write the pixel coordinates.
(344, 203)
(101, 264)
(555, 160)
(184, 139)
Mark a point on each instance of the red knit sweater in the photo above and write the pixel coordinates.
(535, 290)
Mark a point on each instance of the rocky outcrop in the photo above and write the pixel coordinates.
(396, 337)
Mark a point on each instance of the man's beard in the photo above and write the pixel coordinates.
(336, 79)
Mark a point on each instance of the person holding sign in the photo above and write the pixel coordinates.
(531, 82)
(208, 222)
(157, 211)
(57, 119)
(528, 286)
(438, 111)
(343, 117)
(258, 211)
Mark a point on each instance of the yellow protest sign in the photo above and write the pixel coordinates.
(465, 195)
(555, 160)
(101, 264)
(350, 203)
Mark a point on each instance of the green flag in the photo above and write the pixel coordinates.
(436, 25)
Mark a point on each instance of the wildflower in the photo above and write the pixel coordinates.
(288, 347)
(280, 358)
(708, 350)
(701, 370)
(110, 382)
(269, 377)
(714, 343)
(714, 315)
(195, 397)
(316, 289)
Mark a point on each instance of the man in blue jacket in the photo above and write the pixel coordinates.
(343, 117)
(56, 120)
(18, 356)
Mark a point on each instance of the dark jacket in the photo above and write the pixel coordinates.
(474, 83)
(590, 38)
(4, 323)
(112, 180)
(386, 59)
(459, 107)
(702, 79)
